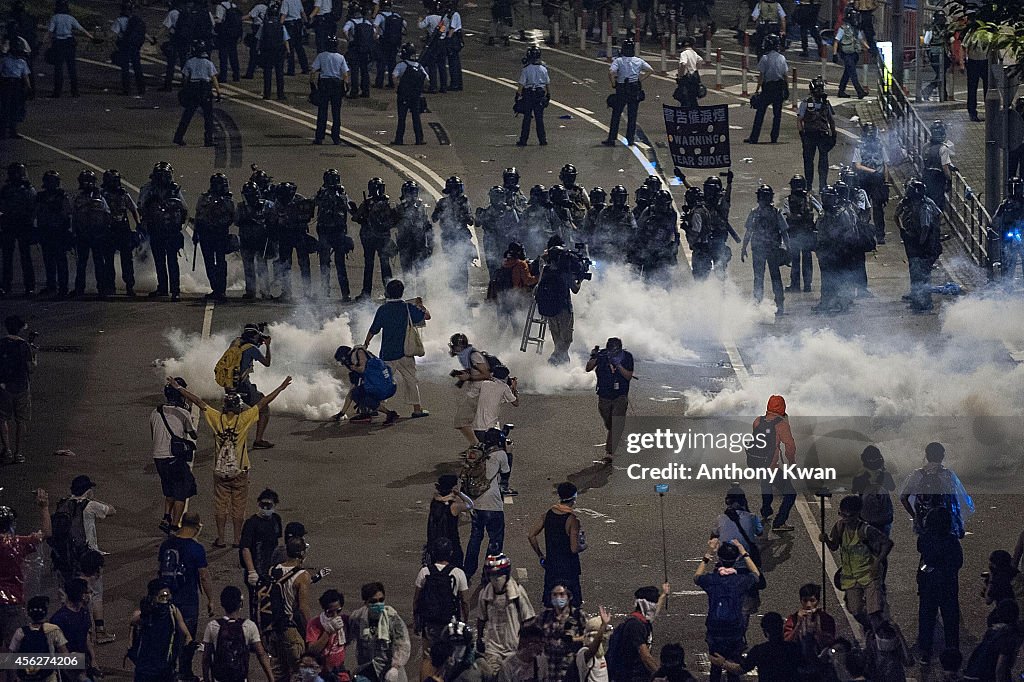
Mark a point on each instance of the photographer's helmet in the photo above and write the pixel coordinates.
(694, 196)
(765, 195)
(915, 190)
(843, 190)
(539, 194)
(375, 187)
(558, 195)
(598, 196)
(332, 178)
(771, 43)
(848, 175)
(497, 564)
(251, 333)
(619, 195)
(829, 197)
(568, 175)
(251, 192)
(16, 172)
(172, 395)
(261, 179)
(817, 86)
(1015, 188)
(510, 178)
(51, 180)
(496, 195)
(938, 131)
(286, 192)
(410, 189)
(653, 183)
(453, 186)
(869, 130)
(663, 200)
(408, 52)
(515, 250)
(87, 179)
(713, 189)
(7, 519)
(628, 48)
(494, 438)
(232, 401)
(219, 184)
(111, 180)
(458, 340)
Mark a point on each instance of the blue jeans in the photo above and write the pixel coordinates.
(494, 523)
(767, 497)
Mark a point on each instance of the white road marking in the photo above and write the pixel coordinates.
(207, 320)
(79, 159)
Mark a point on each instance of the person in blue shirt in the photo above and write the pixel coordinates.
(333, 79)
(626, 76)
(62, 29)
(533, 95)
(199, 82)
(293, 16)
(393, 320)
(614, 368)
(195, 575)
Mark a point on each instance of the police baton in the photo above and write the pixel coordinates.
(661, 489)
(821, 495)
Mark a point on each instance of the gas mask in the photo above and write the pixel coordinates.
(646, 608)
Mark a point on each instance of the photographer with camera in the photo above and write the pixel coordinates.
(614, 368)
(561, 274)
(475, 369)
(235, 365)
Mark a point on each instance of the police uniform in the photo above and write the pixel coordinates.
(332, 204)
(920, 229)
(255, 246)
(388, 44)
(849, 40)
(534, 81)
(14, 86)
(806, 15)
(654, 246)
(579, 203)
(871, 154)
(175, 49)
(333, 69)
(62, 29)
(818, 137)
(227, 45)
(435, 53)
(454, 43)
(537, 224)
(770, 18)
(1008, 224)
(628, 92)
(414, 236)
(800, 212)
(294, 17)
(454, 216)
(616, 227)
(866, 18)
(773, 69)
(360, 49)
(765, 230)
(214, 215)
(325, 23)
(17, 205)
(376, 219)
(122, 240)
(198, 75)
(936, 40)
(835, 247)
(272, 39)
(258, 15)
(90, 221)
(936, 156)
(721, 231)
(164, 213)
(498, 224)
(128, 54)
(699, 233)
(411, 77)
(53, 223)
(291, 228)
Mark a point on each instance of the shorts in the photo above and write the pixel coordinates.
(230, 495)
(865, 599)
(176, 479)
(16, 406)
(250, 396)
(465, 410)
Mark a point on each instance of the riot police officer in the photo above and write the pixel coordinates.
(499, 224)
(332, 209)
(199, 85)
(538, 223)
(376, 219)
(578, 200)
(562, 207)
(699, 233)
(1008, 226)
(767, 234)
(801, 211)
(938, 170)
(411, 79)
(817, 126)
(124, 238)
(253, 216)
(718, 203)
(162, 205)
(857, 201)
(919, 220)
(290, 220)
(414, 233)
(597, 200)
(53, 221)
(454, 216)
(641, 200)
(90, 221)
(532, 96)
(771, 20)
(616, 226)
(835, 248)
(17, 204)
(215, 213)
(656, 240)
(513, 196)
(870, 160)
(626, 75)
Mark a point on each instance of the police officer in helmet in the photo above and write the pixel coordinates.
(532, 96)
(454, 217)
(412, 78)
(125, 238)
(91, 223)
(414, 233)
(768, 236)
(215, 213)
(17, 205)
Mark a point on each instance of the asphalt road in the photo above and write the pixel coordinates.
(363, 491)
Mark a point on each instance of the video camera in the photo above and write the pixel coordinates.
(577, 262)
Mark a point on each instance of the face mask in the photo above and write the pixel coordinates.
(309, 673)
(377, 608)
(499, 583)
(646, 608)
(266, 513)
(559, 602)
(459, 652)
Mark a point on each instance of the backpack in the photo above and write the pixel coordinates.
(377, 380)
(934, 491)
(474, 474)
(134, 35)
(615, 656)
(761, 455)
(817, 118)
(769, 12)
(501, 281)
(877, 505)
(271, 602)
(92, 217)
(169, 215)
(497, 367)
(410, 85)
(227, 372)
(154, 644)
(394, 26)
(172, 570)
(362, 37)
(332, 208)
(227, 463)
(231, 654)
(271, 41)
(725, 611)
(437, 603)
(34, 642)
(68, 539)
(231, 27)
(194, 23)
(216, 211)
(551, 292)
(301, 211)
(12, 362)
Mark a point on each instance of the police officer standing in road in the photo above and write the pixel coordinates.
(376, 219)
(771, 20)
(53, 221)
(919, 220)
(199, 86)
(806, 15)
(290, 219)
(435, 52)
(626, 76)
(411, 79)
(257, 15)
(164, 213)
(533, 96)
(252, 217)
(17, 206)
(227, 22)
(871, 161)
(274, 42)
(938, 169)
(850, 40)
(360, 33)
(579, 202)
(454, 216)
(514, 197)
(767, 234)
(293, 16)
(124, 238)
(655, 244)
(817, 126)
(129, 31)
(1008, 226)
(90, 221)
(325, 23)
(800, 210)
(771, 88)
(62, 29)
(215, 212)
(616, 226)
(454, 43)
(414, 233)
(499, 224)
(175, 49)
(332, 209)
(333, 79)
(15, 87)
(699, 233)
(597, 200)
(391, 28)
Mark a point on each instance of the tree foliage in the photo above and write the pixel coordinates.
(992, 25)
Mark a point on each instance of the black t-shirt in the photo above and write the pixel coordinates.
(260, 536)
(612, 384)
(775, 661)
(15, 359)
(635, 633)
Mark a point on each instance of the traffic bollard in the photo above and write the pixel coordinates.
(792, 92)
(718, 69)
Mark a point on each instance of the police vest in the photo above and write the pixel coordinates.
(252, 225)
(215, 211)
(871, 155)
(801, 216)
(848, 43)
(91, 216)
(331, 208)
(932, 157)
(769, 12)
(817, 119)
(118, 204)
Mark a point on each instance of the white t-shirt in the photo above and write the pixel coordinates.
(493, 394)
(180, 421)
(249, 631)
(594, 671)
(690, 61)
(461, 584)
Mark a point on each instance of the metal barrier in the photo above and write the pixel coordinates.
(965, 212)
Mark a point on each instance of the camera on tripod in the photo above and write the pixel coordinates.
(577, 262)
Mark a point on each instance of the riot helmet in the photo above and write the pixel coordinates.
(332, 178)
(163, 173)
(410, 189)
(111, 180)
(558, 195)
(408, 52)
(829, 198)
(653, 183)
(598, 197)
(286, 192)
(219, 184)
(1015, 188)
(939, 18)
(663, 200)
(713, 189)
(375, 187)
(628, 48)
(568, 175)
(532, 55)
(817, 86)
(693, 197)
(619, 195)
(331, 43)
(51, 180)
(16, 172)
(496, 196)
(87, 179)
(642, 196)
(251, 192)
(765, 195)
(848, 175)
(798, 183)
(200, 50)
(261, 178)
(869, 130)
(938, 131)
(453, 186)
(915, 190)
(510, 178)
(539, 194)
(771, 43)
(843, 190)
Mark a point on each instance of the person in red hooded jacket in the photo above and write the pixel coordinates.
(775, 426)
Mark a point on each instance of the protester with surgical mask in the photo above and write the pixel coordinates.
(590, 660)
(503, 608)
(631, 641)
(382, 639)
(563, 624)
(310, 668)
(326, 633)
(720, 574)
(260, 534)
(530, 663)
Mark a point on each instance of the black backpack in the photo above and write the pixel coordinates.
(193, 24)
(34, 642)
(362, 38)
(725, 610)
(231, 27)
(497, 367)
(68, 541)
(134, 35)
(394, 25)
(271, 39)
(172, 566)
(12, 361)
(231, 654)
(154, 641)
(501, 281)
(410, 85)
(760, 454)
(437, 604)
(933, 492)
(271, 601)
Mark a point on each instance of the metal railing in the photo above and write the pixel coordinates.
(964, 211)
